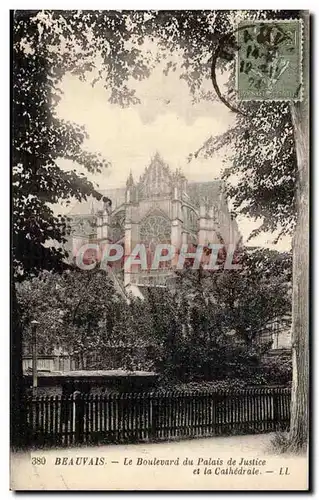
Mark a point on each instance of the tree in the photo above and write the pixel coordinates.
(76, 307)
(273, 186)
(81, 313)
(299, 425)
(38, 141)
(207, 328)
(210, 325)
(43, 50)
(244, 299)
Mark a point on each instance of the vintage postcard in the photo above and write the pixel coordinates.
(160, 260)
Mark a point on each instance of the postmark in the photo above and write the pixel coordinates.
(269, 60)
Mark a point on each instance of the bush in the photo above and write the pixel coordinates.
(277, 368)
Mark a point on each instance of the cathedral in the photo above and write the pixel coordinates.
(160, 207)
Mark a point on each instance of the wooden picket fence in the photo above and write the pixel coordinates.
(140, 417)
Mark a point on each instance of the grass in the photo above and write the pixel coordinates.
(280, 444)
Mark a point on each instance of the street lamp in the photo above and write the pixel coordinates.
(34, 324)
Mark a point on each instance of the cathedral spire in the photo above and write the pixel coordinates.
(130, 180)
(92, 208)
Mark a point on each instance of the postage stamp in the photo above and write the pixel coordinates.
(269, 61)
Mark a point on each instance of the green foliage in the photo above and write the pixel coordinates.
(277, 369)
(261, 180)
(69, 308)
(262, 177)
(210, 326)
(80, 313)
(207, 328)
(40, 139)
(261, 145)
(242, 301)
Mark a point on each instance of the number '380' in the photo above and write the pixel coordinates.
(38, 460)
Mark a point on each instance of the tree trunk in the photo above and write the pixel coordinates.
(17, 410)
(299, 425)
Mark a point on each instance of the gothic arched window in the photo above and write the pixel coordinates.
(155, 229)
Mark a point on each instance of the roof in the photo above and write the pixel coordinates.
(96, 373)
(200, 192)
(92, 205)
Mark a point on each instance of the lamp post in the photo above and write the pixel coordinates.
(34, 324)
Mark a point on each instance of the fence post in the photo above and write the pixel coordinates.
(276, 411)
(154, 410)
(78, 416)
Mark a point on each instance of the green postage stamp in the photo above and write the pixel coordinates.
(269, 62)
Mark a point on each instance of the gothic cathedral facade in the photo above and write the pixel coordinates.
(161, 207)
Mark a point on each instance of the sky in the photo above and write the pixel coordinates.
(166, 121)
